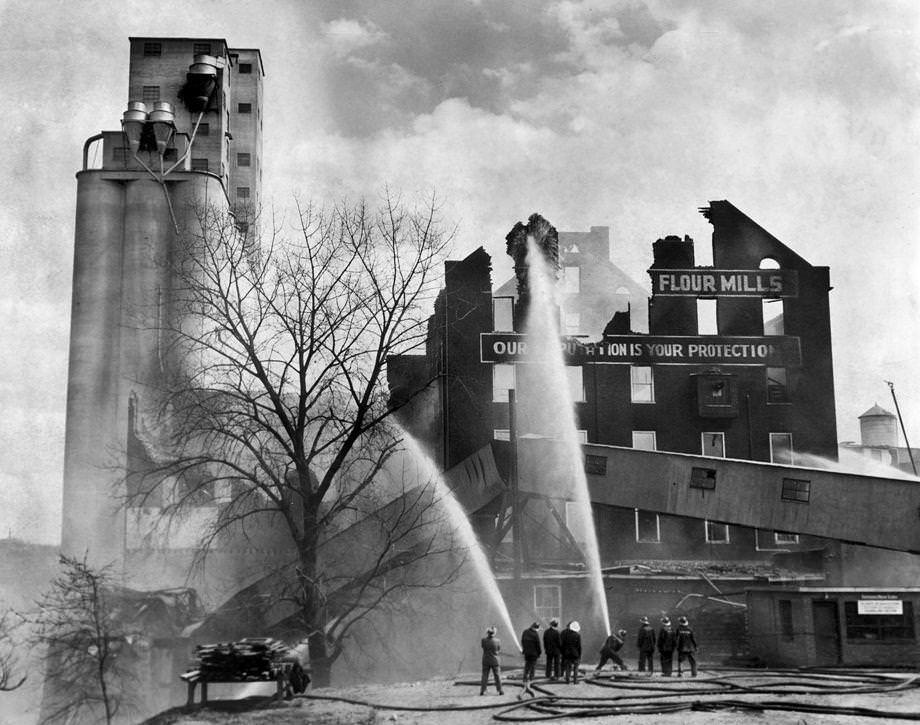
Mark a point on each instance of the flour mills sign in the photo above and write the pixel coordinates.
(769, 283)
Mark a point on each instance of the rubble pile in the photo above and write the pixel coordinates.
(253, 658)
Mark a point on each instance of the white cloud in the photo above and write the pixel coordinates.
(345, 35)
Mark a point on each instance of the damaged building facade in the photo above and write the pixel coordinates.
(736, 363)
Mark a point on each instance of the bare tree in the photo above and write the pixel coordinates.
(8, 661)
(86, 678)
(278, 403)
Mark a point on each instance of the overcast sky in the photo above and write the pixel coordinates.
(623, 114)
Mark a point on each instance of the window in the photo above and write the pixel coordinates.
(501, 434)
(773, 317)
(716, 533)
(571, 280)
(647, 527)
(706, 317)
(243, 160)
(782, 538)
(150, 94)
(245, 68)
(170, 155)
(713, 445)
(596, 465)
(796, 490)
(784, 612)
(875, 627)
(642, 384)
(204, 129)
(576, 521)
(581, 436)
(644, 440)
(199, 164)
(502, 382)
(243, 227)
(152, 49)
(574, 375)
(244, 108)
(547, 601)
(781, 448)
(704, 478)
(777, 389)
(503, 314)
(572, 323)
(242, 192)
(201, 49)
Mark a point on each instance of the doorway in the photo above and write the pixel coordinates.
(827, 632)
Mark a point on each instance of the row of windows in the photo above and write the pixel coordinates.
(151, 94)
(641, 383)
(153, 50)
(712, 445)
(648, 531)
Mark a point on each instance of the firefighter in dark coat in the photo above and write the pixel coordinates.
(530, 646)
(686, 646)
(491, 646)
(571, 651)
(612, 645)
(645, 641)
(667, 642)
(553, 647)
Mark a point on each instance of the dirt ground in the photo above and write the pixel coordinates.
(866, 693)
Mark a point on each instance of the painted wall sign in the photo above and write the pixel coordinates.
(773, 350)
(880, 606)
(769, 283)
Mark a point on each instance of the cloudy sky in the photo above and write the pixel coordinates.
(627, 114)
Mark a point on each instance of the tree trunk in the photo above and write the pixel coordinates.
(314, 608)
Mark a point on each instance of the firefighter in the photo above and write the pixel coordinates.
(645, 641)
(553, 649)
(686, 646)
(530, 646)
(667, 641)
(571, 651)
(612, 645)
(491, 646)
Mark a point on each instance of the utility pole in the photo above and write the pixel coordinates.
(910, 453)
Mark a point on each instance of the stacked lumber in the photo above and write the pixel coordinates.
(253, 658)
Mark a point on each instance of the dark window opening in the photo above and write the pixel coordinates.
(204, 129)
(244, 108)
(170, 155)
(875, 627)
(703, 478)
(777, 386)
(199, 164)
(596, 465)
(243, 160)
(245, 67)
(647, 529)
(152, 49)
(785, 618)
(796, 490)
(242, 192)
(201, 49)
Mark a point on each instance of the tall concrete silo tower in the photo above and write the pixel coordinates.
(191, 136)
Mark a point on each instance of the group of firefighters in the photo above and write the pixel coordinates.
(563, 650)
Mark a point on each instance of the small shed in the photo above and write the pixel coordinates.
(813, 626)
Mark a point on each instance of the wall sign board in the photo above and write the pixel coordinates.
(772, 350)
(769, 283)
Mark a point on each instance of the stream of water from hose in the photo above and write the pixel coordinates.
(556, 410)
